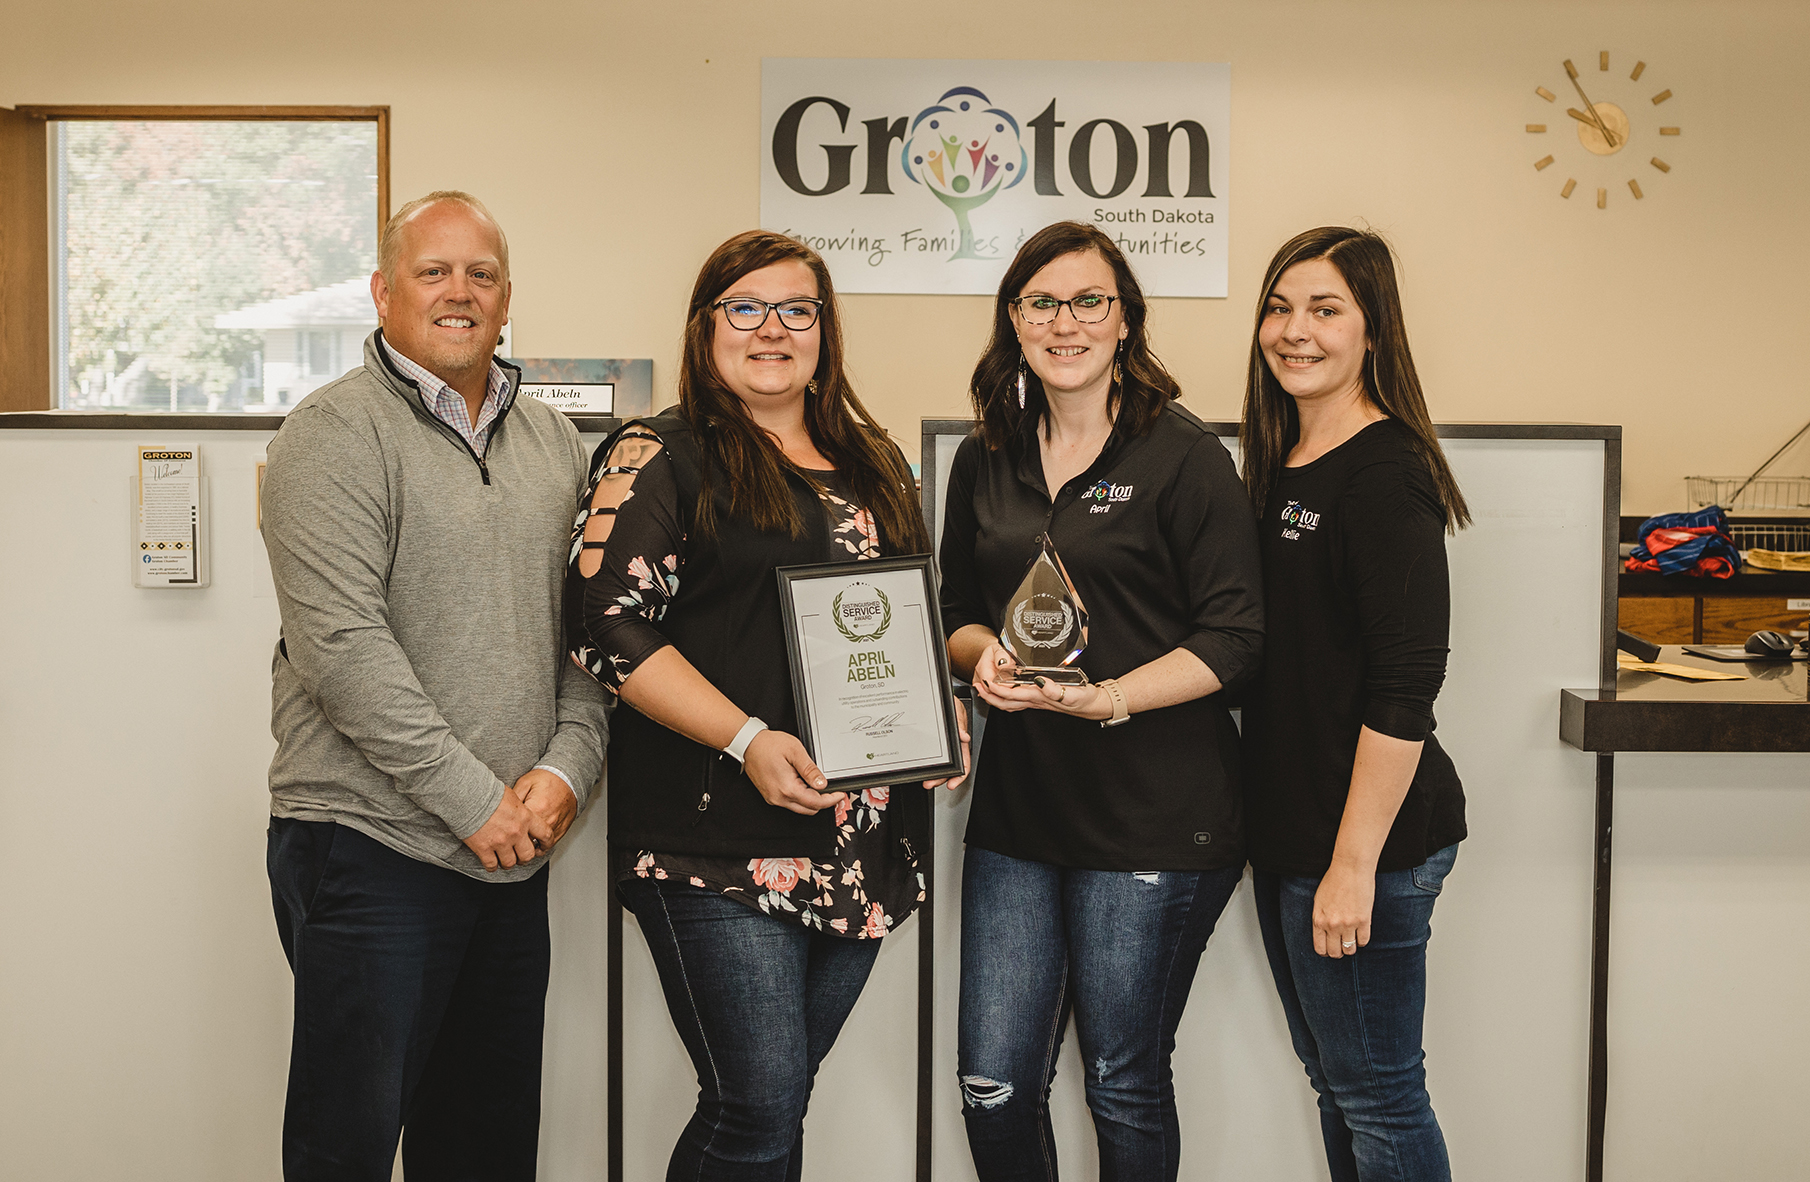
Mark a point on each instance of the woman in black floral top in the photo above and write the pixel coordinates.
(762, 895)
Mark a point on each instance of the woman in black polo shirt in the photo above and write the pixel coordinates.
(1354, 811)
(1105, 835)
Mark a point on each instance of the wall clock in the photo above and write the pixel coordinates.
(1611, 135)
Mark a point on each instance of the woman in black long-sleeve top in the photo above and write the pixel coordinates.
(1354, 811)
(1105, 835)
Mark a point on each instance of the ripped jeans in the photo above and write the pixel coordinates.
(1120, 950)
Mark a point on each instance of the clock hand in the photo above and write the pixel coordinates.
(1571, 72)
(1595, 120)
(1585, 119)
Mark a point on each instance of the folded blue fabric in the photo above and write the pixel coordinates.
(1683, 557)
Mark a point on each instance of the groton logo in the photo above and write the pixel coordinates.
(1105, 495)
(1295, 516)
(964, 150)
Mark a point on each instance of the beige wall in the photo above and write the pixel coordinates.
(618, 142)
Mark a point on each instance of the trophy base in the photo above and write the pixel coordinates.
(1056, 674)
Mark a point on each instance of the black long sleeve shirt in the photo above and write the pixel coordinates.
(1160, 541)
(1358, 606)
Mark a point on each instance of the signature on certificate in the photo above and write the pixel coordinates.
(874, 725)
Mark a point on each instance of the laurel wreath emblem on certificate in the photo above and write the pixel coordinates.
(853, 636)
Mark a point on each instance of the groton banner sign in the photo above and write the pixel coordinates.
(925, 176)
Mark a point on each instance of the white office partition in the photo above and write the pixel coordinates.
(1509, 965)
(143, 980)
(145, 1001)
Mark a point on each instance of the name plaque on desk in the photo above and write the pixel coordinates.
(870, 674)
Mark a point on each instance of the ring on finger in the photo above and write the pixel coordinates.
(1063, 696)
(1348, 945)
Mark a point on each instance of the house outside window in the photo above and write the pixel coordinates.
(211, 263)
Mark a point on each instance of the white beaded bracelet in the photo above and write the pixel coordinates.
(738, 746)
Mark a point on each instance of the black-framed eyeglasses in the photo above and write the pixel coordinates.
(1086, 309)
(749, 314)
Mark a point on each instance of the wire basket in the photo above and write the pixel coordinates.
(1763, 492)
(1781, 536)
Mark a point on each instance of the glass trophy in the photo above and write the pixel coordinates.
(1045, 628)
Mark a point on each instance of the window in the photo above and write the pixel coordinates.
(210, 259)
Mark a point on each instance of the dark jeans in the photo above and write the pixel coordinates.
(419, 999)
(758, 1004)
(1118, 948)
(1356, 1022)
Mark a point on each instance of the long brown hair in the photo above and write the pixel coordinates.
(839, 425)
(1145, 387)
(1271, 423)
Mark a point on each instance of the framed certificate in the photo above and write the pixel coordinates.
(870, 675)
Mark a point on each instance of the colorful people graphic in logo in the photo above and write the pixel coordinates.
(964, 151)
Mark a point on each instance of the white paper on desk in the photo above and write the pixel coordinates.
(167, 521)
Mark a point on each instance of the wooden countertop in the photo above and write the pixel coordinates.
(1768, 711)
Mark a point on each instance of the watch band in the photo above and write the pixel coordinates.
(1121, 710)
(738, 746)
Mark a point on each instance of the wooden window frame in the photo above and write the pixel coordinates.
(25, 262)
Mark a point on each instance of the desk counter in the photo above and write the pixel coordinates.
(1767, 711)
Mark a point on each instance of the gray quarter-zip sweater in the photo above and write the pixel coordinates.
(420, 667)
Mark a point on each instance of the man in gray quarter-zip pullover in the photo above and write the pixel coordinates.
(432, 742)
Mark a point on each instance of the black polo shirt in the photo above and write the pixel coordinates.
(1160, 541)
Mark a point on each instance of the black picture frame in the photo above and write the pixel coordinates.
(925, 566)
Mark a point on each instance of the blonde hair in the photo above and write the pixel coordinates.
(389, 244)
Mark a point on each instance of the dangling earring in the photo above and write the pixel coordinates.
(810, 387)
(1117, 377)
(1021, 366)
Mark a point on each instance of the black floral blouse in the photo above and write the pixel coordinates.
(873, 881)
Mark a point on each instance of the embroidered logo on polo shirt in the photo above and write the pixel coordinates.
(1105, 495)
(1298, 519)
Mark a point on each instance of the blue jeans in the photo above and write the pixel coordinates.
(419, 995)
(758, 1004)
(1120, 949)
(1356, 1022)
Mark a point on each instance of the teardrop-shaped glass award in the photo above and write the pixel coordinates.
(1045, 627)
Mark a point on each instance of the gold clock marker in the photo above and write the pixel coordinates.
(1661, 165)
(1639, 69)
(1661, 97)
(1570, 184)
(1544, 93)
(1602, 199)
(1668, 131)
(1635, 186)
(1536, 128)
(1602, 60)
(1541, 163)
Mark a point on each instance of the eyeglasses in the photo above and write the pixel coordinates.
(749, 314)
(1086, 309)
